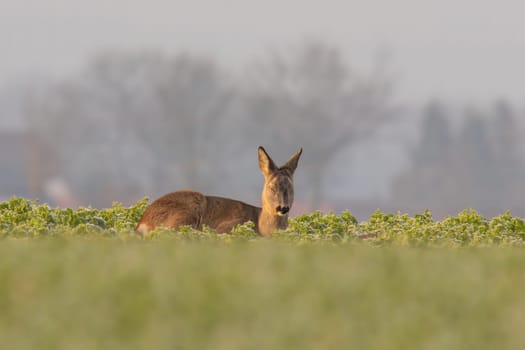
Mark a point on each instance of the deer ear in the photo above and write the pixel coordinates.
(292, 162)
(266, 163)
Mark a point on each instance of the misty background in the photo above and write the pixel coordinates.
(400, 106)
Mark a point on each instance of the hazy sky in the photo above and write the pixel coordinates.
(458, 49)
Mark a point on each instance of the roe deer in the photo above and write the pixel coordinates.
(222, 214)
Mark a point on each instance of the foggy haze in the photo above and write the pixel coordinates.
(399, 105)
(460, 50)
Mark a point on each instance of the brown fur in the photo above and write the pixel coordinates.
(222, 214)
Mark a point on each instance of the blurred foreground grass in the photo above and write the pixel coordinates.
(79, 293)
(82, 279)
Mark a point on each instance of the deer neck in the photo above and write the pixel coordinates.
(268, 223)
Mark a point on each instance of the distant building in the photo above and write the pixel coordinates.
(13, 165)
(28, 166)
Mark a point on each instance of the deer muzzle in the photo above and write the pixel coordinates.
(281, 210)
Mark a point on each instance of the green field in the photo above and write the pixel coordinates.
(99, 294)
(82, 280)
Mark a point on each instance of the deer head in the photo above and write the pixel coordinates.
(278, 192)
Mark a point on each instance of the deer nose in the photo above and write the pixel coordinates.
(283, 210)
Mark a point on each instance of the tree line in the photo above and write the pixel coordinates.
(476, 164)
(144, 123)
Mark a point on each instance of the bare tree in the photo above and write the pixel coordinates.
(312, 98)
(178, 106)
(193, 99)
(137, 123)
(74, 119)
